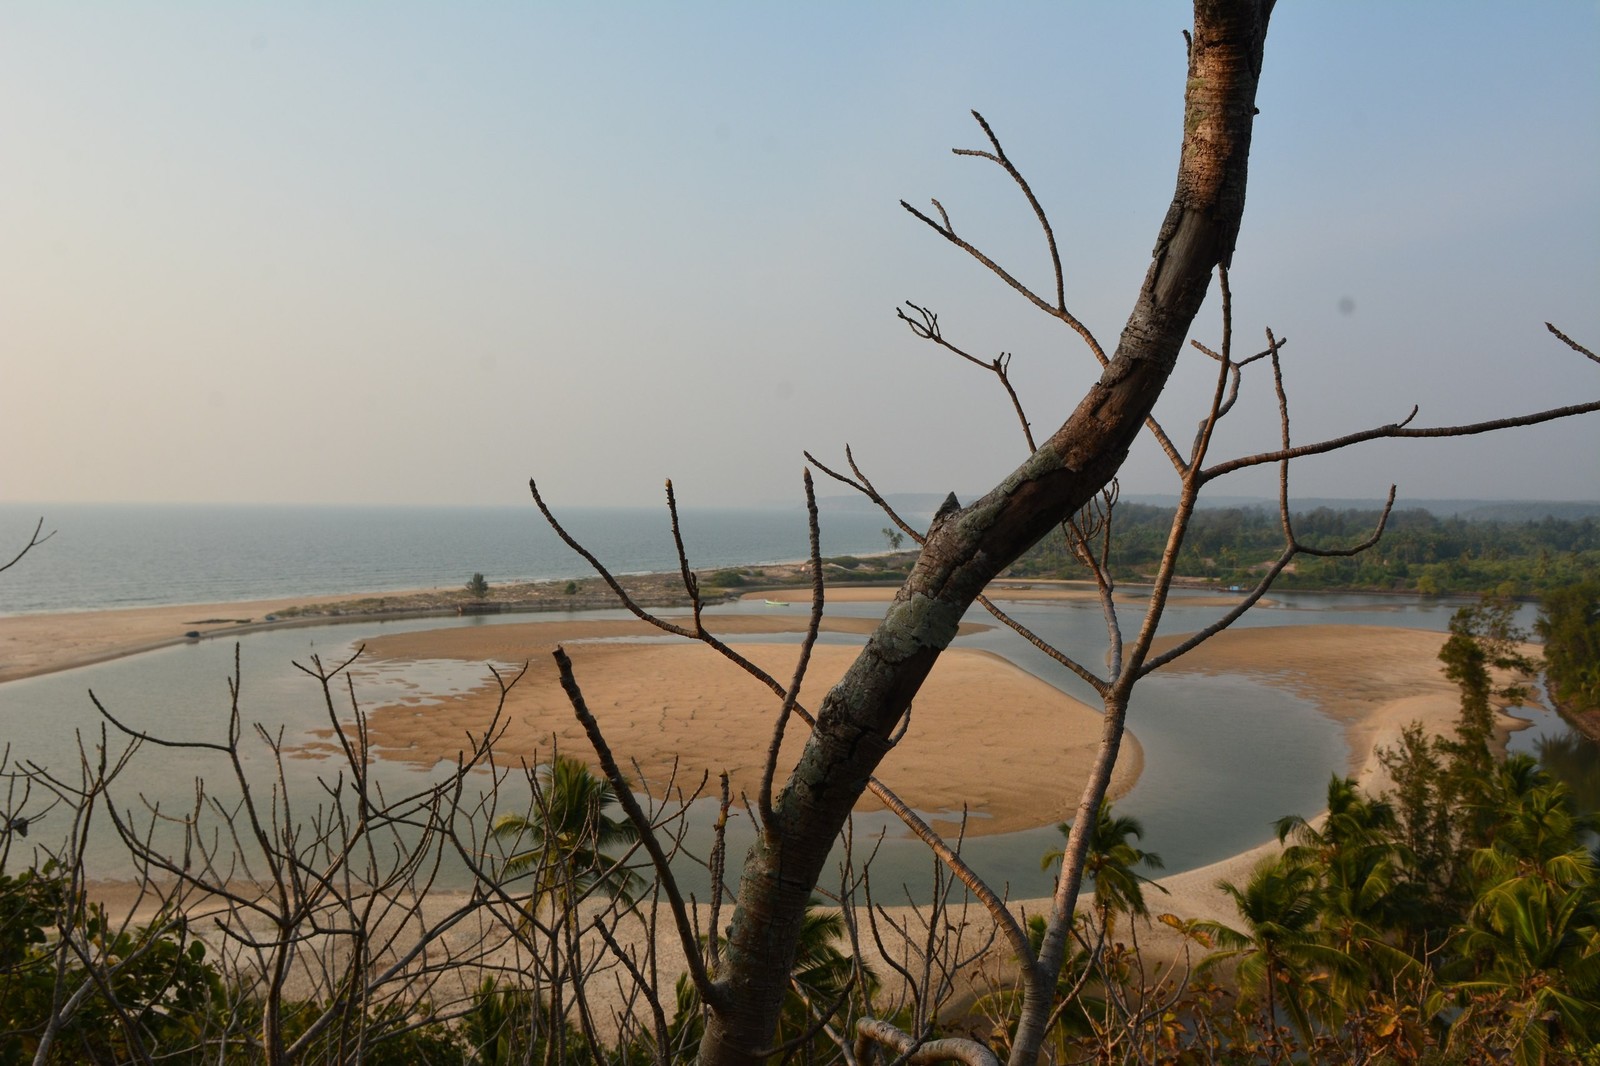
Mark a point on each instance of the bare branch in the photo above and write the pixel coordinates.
(871, 1033)
(864, 486)
(1403, 429)
(999, 156)
(34, 541)
(691, 584)
(1097, 683)
(1059, 309)
(1570, 343)
(599, 568)
(793, 694)
(718, 866)
(928, 329)
(943, 229)
(709, 992)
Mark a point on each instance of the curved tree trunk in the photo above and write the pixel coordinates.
(968, 547)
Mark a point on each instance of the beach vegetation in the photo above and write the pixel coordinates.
(477, 587)
(1279, 960)
(1112, 864)
(1437, 923)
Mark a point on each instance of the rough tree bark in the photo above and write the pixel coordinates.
(967, 547)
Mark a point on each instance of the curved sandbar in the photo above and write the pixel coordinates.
(1351, 673)
(33, 644)
(983, 732)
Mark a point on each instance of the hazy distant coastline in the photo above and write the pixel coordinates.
(113, 556)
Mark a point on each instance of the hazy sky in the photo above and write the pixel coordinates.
(419, 252)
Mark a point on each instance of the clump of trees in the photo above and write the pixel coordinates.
(1420, 552)
(1569, 625)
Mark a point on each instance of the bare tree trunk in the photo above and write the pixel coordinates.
(966, 548)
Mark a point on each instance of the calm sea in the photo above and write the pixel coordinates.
(106, 556)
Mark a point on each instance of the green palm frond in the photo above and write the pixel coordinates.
(564, 839)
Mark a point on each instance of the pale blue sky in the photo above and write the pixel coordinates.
(415, 253)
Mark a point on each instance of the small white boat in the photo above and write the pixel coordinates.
(777, 603)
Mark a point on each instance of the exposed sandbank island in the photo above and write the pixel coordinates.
(983, 733)
(32, 644)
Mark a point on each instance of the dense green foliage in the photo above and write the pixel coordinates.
(152, 987)
(1455, 920)
(1569, 624)
(1418, 553)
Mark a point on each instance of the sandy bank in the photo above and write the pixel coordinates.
(1011, 747)
(32, 644)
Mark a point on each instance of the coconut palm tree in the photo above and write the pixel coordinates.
(1534, 941)
(1110, 862)
(1282, 962)
(1533, 814)
(563, 844)
(1357, 863)
(1531, 944)
(565, 836)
